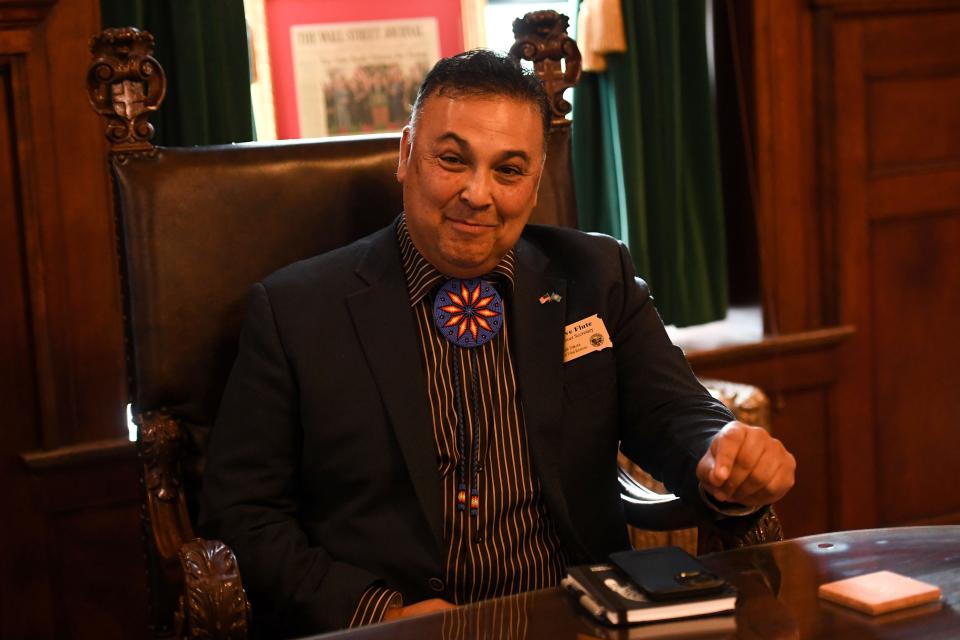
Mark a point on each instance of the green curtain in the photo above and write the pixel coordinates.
(645, 158)
(202, 46)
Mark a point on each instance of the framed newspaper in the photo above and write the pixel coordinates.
(360, 77)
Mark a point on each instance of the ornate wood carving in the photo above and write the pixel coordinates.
(160, 447)
(541, 37)
(214, 605)
(748, 403)
(716, 538)
(199, 594)
(166, 520)
(125, 83)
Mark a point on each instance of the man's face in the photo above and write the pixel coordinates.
(470, 176)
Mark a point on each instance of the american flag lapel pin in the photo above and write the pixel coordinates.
(550, 297)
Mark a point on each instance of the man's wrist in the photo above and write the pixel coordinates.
(725, 509)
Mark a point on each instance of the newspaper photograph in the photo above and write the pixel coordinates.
(360, 77)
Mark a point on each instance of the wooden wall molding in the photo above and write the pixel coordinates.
(885, 7)
(771, 347)
(23, 13)
(92, 475)
(86, 453)
(947, 518)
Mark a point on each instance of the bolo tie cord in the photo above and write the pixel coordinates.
(475, 457)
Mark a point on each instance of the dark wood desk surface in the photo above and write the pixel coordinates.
(778, 595)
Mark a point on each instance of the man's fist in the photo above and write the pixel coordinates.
(746, 465)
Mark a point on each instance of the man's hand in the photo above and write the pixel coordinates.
(417, 609)
(746, 465)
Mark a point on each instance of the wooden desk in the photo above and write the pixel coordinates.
(778, 595)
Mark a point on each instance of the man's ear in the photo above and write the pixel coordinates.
(406, 146)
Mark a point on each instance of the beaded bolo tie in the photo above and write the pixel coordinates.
(468, 313)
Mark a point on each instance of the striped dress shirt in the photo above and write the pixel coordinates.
(511, 545)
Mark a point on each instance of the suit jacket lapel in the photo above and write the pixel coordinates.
(537, 334)
(385, 324)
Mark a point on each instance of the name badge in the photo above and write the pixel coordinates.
(585, 336)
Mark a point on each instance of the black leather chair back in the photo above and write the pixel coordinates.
(199, 226)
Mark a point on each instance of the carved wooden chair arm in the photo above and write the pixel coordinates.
(200, 594)
(716, 537)
(748, 403)
(212, 605)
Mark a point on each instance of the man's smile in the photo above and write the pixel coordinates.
(465, 225)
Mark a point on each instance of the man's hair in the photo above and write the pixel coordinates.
(483, 73)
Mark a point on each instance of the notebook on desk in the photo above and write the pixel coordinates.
(605, 593)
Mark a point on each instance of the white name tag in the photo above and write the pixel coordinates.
(585, 336)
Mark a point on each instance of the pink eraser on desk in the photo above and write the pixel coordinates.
(879, 592)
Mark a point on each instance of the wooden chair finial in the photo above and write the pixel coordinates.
(541, 37)
(125, 83)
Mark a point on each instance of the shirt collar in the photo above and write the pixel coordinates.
(422, 277)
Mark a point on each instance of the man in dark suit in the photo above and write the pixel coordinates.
(432, 414)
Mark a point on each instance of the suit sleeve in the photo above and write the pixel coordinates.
(249, 497)
(667, 417)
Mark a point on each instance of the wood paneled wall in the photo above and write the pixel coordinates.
(892, 157)
(70, 553)
(857, 153)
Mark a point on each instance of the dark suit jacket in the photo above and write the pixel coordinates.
(322, 473)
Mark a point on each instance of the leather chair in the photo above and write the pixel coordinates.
(196, 227)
